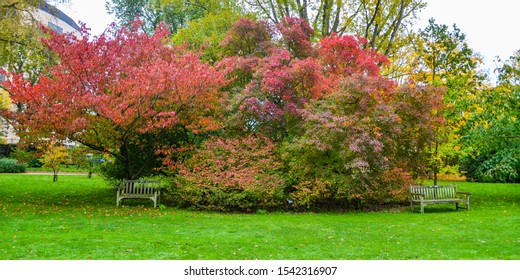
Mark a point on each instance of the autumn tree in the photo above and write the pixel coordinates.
(350, 136)
(363, 143)
(280, 76)
(444, 59)
(124, 93)
(54, 155)
(383, 23)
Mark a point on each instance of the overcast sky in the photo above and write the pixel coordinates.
(492, 28)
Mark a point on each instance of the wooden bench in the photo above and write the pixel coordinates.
(139, 189)
(437, 194)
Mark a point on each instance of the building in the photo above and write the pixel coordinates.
(54, 18)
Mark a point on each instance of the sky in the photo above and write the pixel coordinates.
(491, 27)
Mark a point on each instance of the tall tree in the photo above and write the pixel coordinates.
(206, 33)
(444, 59)
(383, 23)
(128, 95)
(175, 13)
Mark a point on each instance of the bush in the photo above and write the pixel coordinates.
(336, 191)
(11, 166)
(499, 167)
(229, 175)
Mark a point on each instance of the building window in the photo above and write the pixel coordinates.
(55, 27)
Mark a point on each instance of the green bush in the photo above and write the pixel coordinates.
(8, 165)
(503, 167)
(498, 167)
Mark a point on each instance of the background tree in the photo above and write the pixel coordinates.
(383, 23)
(54, 155)
(491, 126)
(21, 49)
(444, 59)
(128, 95)
(206, 33)
(174, 13)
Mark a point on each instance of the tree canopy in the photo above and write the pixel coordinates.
(119, 95)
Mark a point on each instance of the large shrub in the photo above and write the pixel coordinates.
(501, 167)
(8, 165)
(229, 175)
(356, 150)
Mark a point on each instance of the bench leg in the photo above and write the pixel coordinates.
(422, 208)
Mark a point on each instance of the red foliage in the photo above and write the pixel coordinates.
(297, 34)
(285, 78)
(231, 174)
(343, 56)
(248, 38)
(107, 91)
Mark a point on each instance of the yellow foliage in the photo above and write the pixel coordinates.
(53, 156)
(479, 109)
(5, 101)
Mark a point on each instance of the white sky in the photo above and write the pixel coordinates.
(492, 28)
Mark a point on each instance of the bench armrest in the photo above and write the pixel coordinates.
(464, 193)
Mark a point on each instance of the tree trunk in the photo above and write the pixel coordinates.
(435, 167)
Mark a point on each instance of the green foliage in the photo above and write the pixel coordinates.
(21, 49)
(230, 175)
(501, 166)
(206, 33)
(8, 165)
(492, 127)
(176, 14)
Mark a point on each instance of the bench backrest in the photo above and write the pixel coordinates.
(140, 186)
(434, 192)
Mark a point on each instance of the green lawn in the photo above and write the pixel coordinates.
(76, 218)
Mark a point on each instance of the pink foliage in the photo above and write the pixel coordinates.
(297, 34)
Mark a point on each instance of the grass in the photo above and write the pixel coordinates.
(76, 218)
